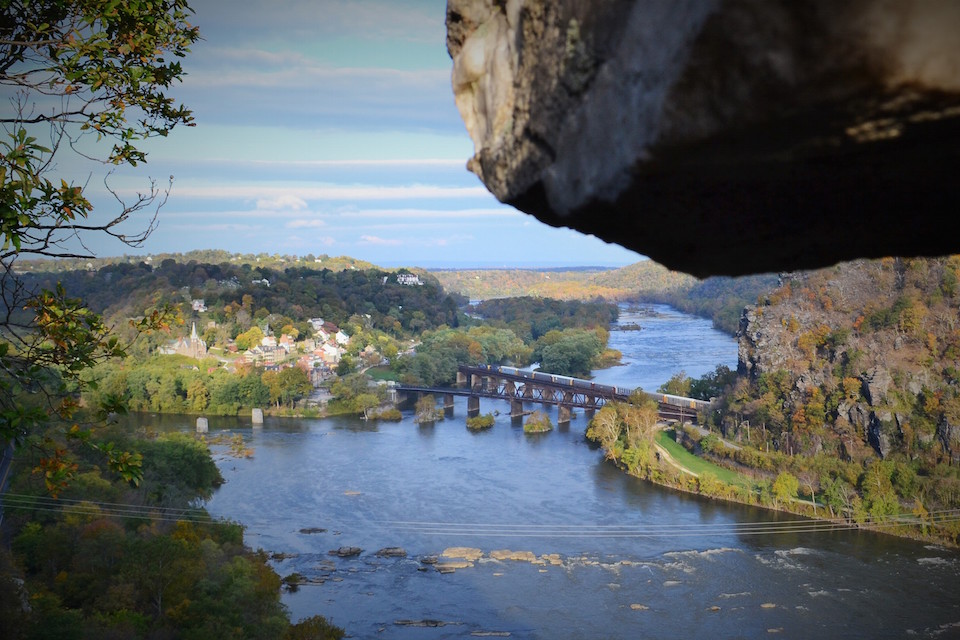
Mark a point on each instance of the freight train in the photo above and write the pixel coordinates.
(610, 391)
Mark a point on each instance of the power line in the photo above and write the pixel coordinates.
(669, 529)
(502, 530)
(98, 508)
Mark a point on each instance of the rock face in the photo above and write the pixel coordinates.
(833, 335)
(949, 434)
(719, 137)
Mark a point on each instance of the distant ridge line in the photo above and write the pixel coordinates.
(555, 269)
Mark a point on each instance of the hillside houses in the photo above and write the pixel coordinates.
(323, 352)
(326, 331)
(319, 355)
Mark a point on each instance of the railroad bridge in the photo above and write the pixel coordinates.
(518, 387)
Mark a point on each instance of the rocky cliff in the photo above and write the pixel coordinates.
(719, 137)
(864, 354)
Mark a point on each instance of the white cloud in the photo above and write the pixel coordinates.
(251, 68)
(311, 241)
(328, 192)
(408, 214)
(385, 242)
(201, 228)
(396, 162)
(283, 201)
(304, 223)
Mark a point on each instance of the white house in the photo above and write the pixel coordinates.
(330, 353)
(409, 279)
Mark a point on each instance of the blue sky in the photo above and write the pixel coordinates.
(330, 127)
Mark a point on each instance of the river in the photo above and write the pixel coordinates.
(616, 557)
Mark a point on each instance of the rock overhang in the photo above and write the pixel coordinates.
(720, 137)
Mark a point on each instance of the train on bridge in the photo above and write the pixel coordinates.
(584, 386)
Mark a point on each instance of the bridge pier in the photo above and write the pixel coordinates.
(448, 405)
(461, 379)
(564, 413)
(516, 408)
(473, 406)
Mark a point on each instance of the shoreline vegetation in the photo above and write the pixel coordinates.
(106, 557)
(672, 458)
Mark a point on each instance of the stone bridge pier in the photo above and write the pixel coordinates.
(473, 406)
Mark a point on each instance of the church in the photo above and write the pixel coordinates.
(192, 347)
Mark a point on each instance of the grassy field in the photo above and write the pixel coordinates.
(382, 373)
(696, 464)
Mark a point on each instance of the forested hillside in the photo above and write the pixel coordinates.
(202, 256)
(575, 284)
(852, 376)
(565, 337)
(720, 299)
(240, 295)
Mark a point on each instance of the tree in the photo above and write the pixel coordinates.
(77, 74)
(537, 422)
(82, 72)
(197, 395)
(711, 385)
(294, 384)
(785, 487)
(677, 385)
(569, 352)
(605, 428)
(345, 366)
(249, 339)
(314, 628)
(365, 402)
(426, 410)
(879, 495)
(834, 494)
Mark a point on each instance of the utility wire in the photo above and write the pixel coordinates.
(97, 508)
(167, 514)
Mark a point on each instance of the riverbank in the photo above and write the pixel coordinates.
(706, 479)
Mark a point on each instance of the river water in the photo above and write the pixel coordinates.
(616, 557)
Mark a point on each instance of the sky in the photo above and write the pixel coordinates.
(329, 127)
